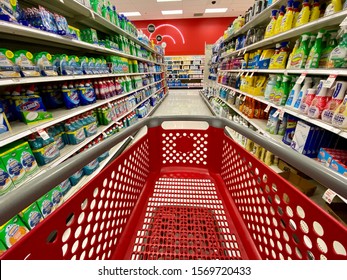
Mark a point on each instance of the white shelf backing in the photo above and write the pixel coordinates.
(80, 13)
(30, 80)
(69, 150)
(20, 130)
(320, 123)
(24, 33)
(339, 72)
(324, 22)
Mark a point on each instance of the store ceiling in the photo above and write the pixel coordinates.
(151, 9)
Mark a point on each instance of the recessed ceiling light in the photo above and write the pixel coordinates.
(217, 10)
(169, 0)
(172, 12)
(131, 14)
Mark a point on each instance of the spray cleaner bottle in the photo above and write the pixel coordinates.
(288, 18)
(315, 52)
(279, 20)
(304, 14)
(315, 13)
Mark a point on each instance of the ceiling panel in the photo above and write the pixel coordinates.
(150, 9)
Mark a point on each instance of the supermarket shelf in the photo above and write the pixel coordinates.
(30, 80)
(80, 13)
(207, 103)
(325, 22)
(69, 150)
(45, 38)
(339, 72)
(261, 18)
(178, 87)
(340, 132)
(112, 152)
(20, 130)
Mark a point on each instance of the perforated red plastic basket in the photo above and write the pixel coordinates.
(186, 194)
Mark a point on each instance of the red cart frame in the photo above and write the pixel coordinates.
(182, 194)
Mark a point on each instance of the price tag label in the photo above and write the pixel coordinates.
(118, 123)
(344, 22)
(281, 115)
(329, 195)
(244, 51)
(43, 134)
(301, 78)
(92, 14)
(104, 134)
(109, 105)
(244, 98)
(239, 74)
(267, 109)
(247, 74)
(252, 74)
(233, 93)
(330, 81)
(276, 113)
(239, 53)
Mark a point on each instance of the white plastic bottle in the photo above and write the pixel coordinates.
(319, 102)
(340, 91)
(293, 95)
(296, 102)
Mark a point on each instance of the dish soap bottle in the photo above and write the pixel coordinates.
(334, 7)
(287, 21)
(271, 26)
(315, 13)
(279, 20)
(332, 43)
(338, 56)
(315, 53)
(299, 57)
(304, 14)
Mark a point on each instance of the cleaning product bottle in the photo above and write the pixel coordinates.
(296, 46)
(338, 56)
(296, 11)
(311, 42)
(307, 100)
(319, 102)
(297, 101)
(315, 52)
(304, 14)
(299, 57)
(334, 7)
(331, 44)
(269, 86)
(315, 13)
(279, 20)
(269, 31)
(276, 88)
(274, 57)
(287, 21)
(283, 92)
(340, 115)
(293, 95)
(281, 58)
(339, 92)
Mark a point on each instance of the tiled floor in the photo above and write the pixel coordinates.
(181, 102)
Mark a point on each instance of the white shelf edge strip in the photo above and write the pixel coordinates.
(339, 72)
(319, 123)
(7, 138)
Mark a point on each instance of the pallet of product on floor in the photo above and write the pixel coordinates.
(183, 194)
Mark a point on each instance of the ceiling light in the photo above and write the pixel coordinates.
(172, 12)
(131, 14)
(216, 10)
(169, 0)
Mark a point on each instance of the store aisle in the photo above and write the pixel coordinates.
(181, 102)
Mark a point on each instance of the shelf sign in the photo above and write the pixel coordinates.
(301, 78)
(330, 81)
(276, 113)
(43, 134)
(151, 28)
(267, 108)
(280, 117)
(344, 22)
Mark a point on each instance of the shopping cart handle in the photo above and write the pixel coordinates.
(15, 201)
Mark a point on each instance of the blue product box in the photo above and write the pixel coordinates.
(339, 167)
(302, 137)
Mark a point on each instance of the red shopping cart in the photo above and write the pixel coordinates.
(182, 194)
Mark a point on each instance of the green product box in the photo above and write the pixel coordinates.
(45, 204)
(5, 180)
(91, 35)
(30, 117)
(12, 231)
(31, 216)
(2, 248)
(28, 159)
(11, 159)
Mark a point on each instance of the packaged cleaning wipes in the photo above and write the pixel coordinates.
(24, 59)
(44, 62)
(8, 67)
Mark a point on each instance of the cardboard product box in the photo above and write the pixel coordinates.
(337, 210)
(326, 155)
(302, 184)
(31, 216)
(286, 167)
(339, 166)
(302, 139)
(12, 231)
(5, 180)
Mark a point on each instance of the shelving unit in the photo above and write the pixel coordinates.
(38, 40)
(185, 71)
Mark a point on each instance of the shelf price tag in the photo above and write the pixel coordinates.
(43, 134)
(276, 113)
(329, 195)
(244, 51)
(104, 134)
(344, 22)
(244, 98)
(247, 74)
(267, 109)
(330, 81)
(252, 74)
(301, 78)
(280, 117)
(92, 14)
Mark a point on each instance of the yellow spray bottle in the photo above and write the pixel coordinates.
(334, 7)
(288, 18)
(304, 15)
(315, 13)
(279, 20)
(271, 26)
(296, 11)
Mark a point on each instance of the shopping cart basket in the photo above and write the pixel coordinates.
(182, 194)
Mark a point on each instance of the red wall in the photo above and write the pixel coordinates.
(196, 32)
